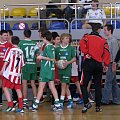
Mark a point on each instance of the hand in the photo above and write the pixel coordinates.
(88, 56)
(114, 67)
(105, 69)
(39, 57)
(66, 63)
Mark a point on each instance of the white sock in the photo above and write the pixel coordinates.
(62, 97)
(37, 101)
(69, 97)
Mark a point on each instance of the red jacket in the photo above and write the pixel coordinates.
(95, 46)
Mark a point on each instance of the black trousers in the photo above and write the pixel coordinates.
(92, 68)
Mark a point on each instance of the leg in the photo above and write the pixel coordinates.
(97, 77)
(24, 86)
(1, 92)
(34, 89)
(108, 86)
(14, 95)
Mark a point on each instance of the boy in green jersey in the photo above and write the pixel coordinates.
(29, 71)
(65, 52)
(47, 72)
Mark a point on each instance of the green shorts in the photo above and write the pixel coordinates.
(64, 78)
(44, 79)
(29, 76)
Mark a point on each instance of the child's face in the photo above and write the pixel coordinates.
(66, 40)
(57, 41)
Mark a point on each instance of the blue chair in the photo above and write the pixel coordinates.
(34, 26)
(7, 26)
(57, 26)
(77, 25)
(17, 26)
(113, 23)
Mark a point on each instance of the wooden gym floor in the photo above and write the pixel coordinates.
(110, 112)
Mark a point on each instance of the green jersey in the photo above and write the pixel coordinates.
(48, 67)
(65, 53)
(30, 50)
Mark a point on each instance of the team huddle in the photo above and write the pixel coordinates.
(19, 59)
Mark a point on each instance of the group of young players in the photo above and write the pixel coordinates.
(19, 65)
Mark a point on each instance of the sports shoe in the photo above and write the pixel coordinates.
(25, 104)
(75, 99)
(15, 103)
(1, 104)
(57, 108)
(80, 101)
(19, 110)
(34, 107)
(91, 101)
(98, 109)
(86, 107)
(70, 104)
(9, 109)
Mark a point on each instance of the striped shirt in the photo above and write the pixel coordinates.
(14, 57)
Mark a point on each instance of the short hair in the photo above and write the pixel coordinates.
(54, 35)
(15, 40)
(96, 27)
(27, 33)
(10, 32)
(64, 35)
(3, 31)
(48, 35)
(110, 27)
(42, 29)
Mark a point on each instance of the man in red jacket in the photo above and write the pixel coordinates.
(96, 59)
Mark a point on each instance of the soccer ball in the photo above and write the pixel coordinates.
(61, 64)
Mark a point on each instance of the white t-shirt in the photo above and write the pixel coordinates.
(95, 14)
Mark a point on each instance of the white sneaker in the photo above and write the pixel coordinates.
(91, 101)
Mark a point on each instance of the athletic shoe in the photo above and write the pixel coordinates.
(86, 107)
(1, 104)
(57, 108)
(9, 109)
(98, 109)
(25, 104)
(91, 101)
(15, 103)
(70, 104)
(75, 99)
(80, 101)
(19, 110)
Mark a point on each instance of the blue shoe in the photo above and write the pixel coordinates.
(80, 101)
(70, 104)
(19, 110)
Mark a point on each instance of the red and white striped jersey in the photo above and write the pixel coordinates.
(14, 57)
(3, 47)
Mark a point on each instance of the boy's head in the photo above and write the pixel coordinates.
(42, 30)
(15, 40)
(65, 38)
(47, 35)
(108, 29)
(56, 38)
(10, 34)
(27, 33)
(4, 35)
(97, 27)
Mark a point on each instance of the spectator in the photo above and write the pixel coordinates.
(111, 86)
(94, 13)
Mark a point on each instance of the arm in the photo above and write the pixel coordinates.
(40, 57)
(3, 68)
(83, 45)
(106, 54)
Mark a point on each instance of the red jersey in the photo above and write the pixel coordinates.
(3, 48)
(14, 57)
(95, 46)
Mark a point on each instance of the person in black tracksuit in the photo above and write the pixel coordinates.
(96, 52)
